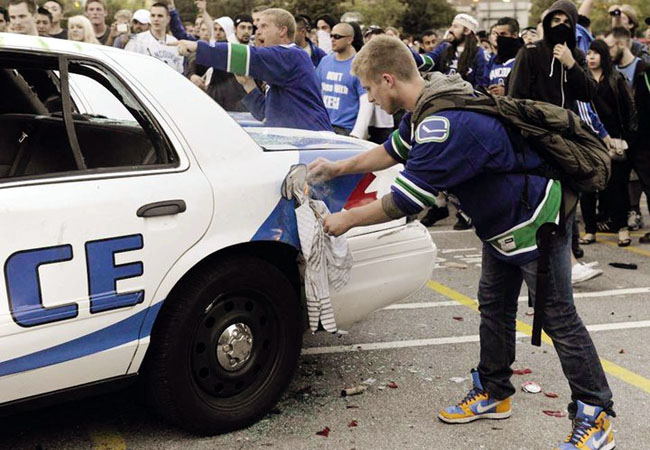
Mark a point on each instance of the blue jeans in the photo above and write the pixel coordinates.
(497, 296)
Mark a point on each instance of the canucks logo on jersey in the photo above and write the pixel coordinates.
(432, 129)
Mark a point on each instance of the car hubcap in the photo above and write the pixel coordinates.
(235, 346)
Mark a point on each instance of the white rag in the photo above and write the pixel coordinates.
(327, 261)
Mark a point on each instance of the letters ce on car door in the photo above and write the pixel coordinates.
(95, 211)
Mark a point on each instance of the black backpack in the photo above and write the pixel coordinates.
(574, 153)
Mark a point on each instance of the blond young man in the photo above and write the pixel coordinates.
(293, 99)
(470, 157)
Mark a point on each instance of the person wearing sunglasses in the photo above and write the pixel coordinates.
(344, 98)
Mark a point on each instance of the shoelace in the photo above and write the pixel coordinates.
(579, 432)
(471, 395)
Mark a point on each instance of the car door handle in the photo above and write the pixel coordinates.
(166, 208)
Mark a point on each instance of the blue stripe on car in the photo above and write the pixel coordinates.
(128, 330)
(281, 224)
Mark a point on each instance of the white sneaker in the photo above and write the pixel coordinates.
(634, 220)
(582, 272)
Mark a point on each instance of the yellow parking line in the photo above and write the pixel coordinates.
(632, 233)
(105, 438)
(636, 250)
(615, 370)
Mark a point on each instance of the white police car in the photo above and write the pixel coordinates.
(143, 232)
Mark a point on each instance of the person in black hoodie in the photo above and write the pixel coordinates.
(553, 70)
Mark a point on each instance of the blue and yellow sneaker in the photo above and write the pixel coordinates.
(477, 404)
(592, 430)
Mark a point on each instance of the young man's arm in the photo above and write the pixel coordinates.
(360, 129)
(271, 64)
(379, 211)
(255, 102)
(372, 160)
(427, 62)
(176, 26)
(482, 75)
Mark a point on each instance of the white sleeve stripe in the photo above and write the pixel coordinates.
(248, 60)
(406, 144)
(228, 59)
(409, 196)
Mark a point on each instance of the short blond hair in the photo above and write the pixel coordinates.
(282, 18)
(385, 54)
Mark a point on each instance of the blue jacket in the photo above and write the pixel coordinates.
(177, 29)
(317, 53)
(293, 99)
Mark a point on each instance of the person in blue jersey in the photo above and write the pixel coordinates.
(461, 53)
(470, 156)
(293, 99)
(506, 37)
(346, 101)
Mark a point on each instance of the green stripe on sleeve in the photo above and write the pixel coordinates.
(399, 146)
(427, 63)
(426, 198)
(238, 62)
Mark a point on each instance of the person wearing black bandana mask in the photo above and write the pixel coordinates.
(553, 69)
(506, 34)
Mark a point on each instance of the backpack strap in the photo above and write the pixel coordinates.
(544, 235)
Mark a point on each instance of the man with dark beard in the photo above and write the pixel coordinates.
(637, 72)
(460, 54)
(508, 44)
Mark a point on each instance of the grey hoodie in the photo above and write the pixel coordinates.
(438, 85)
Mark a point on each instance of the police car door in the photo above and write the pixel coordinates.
(95, 211)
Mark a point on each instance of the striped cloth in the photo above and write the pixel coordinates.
(327, 261)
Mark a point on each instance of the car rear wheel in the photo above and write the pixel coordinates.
(224, 347)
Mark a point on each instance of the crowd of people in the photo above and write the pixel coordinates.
(325, 74)
(293, 71)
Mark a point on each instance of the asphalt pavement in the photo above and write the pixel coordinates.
(414, 357)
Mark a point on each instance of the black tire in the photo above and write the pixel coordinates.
(184, 381)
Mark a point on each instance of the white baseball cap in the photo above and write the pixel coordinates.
(467, 21)
(142, 16)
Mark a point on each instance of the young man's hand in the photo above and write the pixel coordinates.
(497, 89)
(321, 170)
(563, 53)
(338, 223)
(199, 81)
(248, 83)
(185, 48)
(200, 5)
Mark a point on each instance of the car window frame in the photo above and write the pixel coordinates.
(163, 143)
